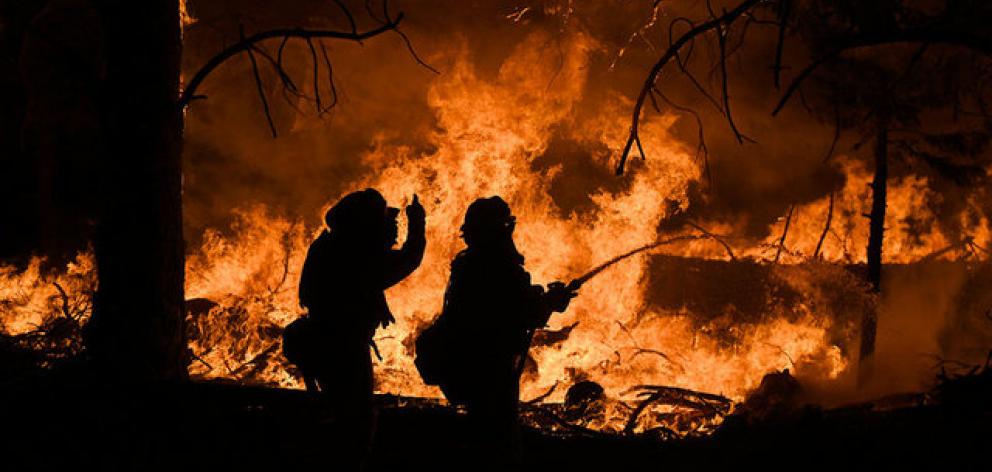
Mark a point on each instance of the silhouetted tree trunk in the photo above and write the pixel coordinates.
(137, 325)
(879, 189)
(61, 67)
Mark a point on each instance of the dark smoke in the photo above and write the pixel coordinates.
(231, 160)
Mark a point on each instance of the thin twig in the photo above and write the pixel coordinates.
(783, 351)
(643, 350)
(660, 64)
(330, 76)
(785, 232)
(683, 64)
(348, 15)
(287, 81)
(721, 35)
(783, 20)
(288, 252)
(707, 404)
(200, 359)
(371, 12)
(261, 91)
(246, 43)
(413, 52)
(714, 237)
(282, 47)
(65, 300)
(826, 227)
(316, 75)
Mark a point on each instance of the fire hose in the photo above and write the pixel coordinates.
(577, 283)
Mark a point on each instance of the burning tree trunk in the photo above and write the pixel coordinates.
(869, 322)
(137, 325)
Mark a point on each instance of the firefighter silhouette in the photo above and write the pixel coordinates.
(347, 268)
(474, 350)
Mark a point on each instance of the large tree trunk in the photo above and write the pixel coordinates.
(61, 63)
(136, 331)
(879, 189)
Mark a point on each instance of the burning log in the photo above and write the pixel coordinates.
(664, 413)
(42, 319)
(704, 410)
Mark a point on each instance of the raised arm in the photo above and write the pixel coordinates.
(404, 261)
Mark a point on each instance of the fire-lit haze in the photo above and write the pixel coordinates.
(538, 116)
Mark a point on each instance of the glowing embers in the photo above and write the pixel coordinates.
(662, 412)
(241, 290)
(43, 311)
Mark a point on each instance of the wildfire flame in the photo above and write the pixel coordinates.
(489, 135)
(242, 284)
(185, 17)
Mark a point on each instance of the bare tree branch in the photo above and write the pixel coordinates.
(670, 53)
(282, 47)
(330, 76)
(316, 75)
(783, 20)
(730, 252)
(348, 15)
(796, 82)
(413, 52)
(371, 11)
(261, 90)
(721, 35)
(920, 35)
(246, 44)
(683, 62)
(287, 81)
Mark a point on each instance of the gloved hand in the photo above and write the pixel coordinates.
(558, 296)
(415, 213)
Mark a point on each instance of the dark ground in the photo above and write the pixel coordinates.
(64, 422)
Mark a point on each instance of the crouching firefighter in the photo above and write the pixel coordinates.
(474, 349)
(344, 275)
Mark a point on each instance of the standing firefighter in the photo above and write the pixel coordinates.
(475, 348)
(345, 273)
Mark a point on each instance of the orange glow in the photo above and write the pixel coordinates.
(185, 17)
(31, 298)
(489, 134)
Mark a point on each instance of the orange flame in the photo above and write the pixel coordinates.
(489, 135)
